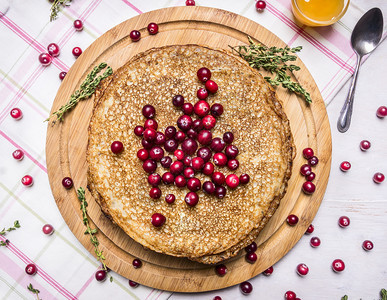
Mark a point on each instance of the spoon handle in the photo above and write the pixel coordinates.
(346, 112)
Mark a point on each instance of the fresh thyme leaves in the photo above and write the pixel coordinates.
(35, 291)
(345, 297)
(383, 293)
(91, 232)
(16, 225)
(56, 7)
(111, 279)
(274, 60)
(87, 89)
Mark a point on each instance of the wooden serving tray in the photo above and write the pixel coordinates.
(67, 142)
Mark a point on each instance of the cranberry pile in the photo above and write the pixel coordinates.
(306, 170)
(187, 149)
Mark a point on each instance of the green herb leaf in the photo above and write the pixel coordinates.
(16, 224)
(345, 297)
(383, 293)
(35, 291)
(111, 278)
(56, 7)
(274, 60)
(86, 90)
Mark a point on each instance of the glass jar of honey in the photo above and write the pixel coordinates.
(319, 12)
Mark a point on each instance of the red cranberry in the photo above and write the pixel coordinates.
(220, 192)
(202, 93)
(217, 145)
(381, 112)
(170, 145)
(18, 154)
(204, 74)
(150, 134)
(179, 154)
(158, 220)
(155, 193)
(45, 59)
(154, 179)
(313, 161)
(180, 136)
(67, 182)
(260, 5)
(292, 220)
(315, 242)
(100, 275)
(190, 2)
(27, 180)
(191, 199)
(209, 122)
(188, 108)
(137, 263)
(290, 295)
(308, 187)
(310, 177)
(368, 245)
(231, 151)
(246, 287)
(378, 177)
(252, 247)
(184, 122)
(232, 181)
(209, 187)
(189, 172)
(16, 113)
(192, 134)
(218, 178)
(187, 161)
(168, 178)
(220, 159)
(153, 28)
(308, 153)
(365, 145)
(197, 125)
(310, 229)
(53, 49)
(117, 147)
(149, 111)
(48, 229)
(268, 271)
(156, 153)
(338, 265)
(176, 167)
(221, 270)
(135, 35)
(150, 123)
(77, 51)
(166, 161)
(180, 181)
(216, 110)
(189, 146)
(211, 86)
(31, 269)
(194, 184)
(251, 257)
(244, 178)
(133, 284)
(170, 198)
(217, 298)
(305, 169)
(62, 75)
(302, 269)
(197, 163)
(205, 153)
(201, 108)
(139, 130)
(78, 25)
(344, 221)
(233, 164)
(228, 137)
(345, 166)
(160, 138)
(178, 100)
(170, 132)
(149, 166)
(208, 168)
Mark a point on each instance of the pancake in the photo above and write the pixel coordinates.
(215, 229)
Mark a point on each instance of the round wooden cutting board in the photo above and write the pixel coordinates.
(67, 142)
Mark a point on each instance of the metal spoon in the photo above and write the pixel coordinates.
(365, 38)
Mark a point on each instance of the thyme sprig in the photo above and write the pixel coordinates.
(56, 6)
(35, 291)
(85, 91)
(91, 232)
(16, 225)
(274, 60)
(383, 294)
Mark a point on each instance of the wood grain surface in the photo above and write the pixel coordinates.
(67, 141)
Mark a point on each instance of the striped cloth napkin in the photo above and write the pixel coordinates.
(66, 269)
